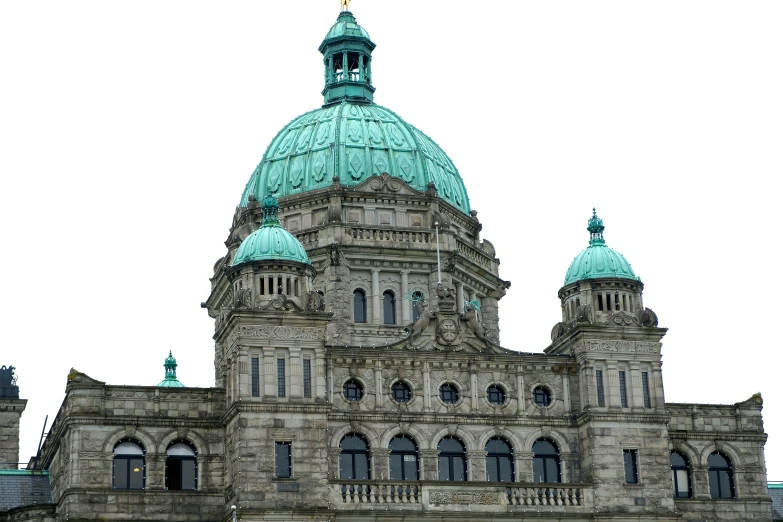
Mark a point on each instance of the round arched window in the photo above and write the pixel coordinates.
(129, 466)
(449, 393)
(496, 395)
(353, 390)
(181, 466)
(542, 397)
(401, 392)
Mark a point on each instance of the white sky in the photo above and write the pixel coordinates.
(129, 129)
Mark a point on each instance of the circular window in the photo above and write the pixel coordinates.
(449, 393)
(542, 397)
(352, 390)
(401, 392)
(496, 395)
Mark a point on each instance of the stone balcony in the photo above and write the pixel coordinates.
(491, 497)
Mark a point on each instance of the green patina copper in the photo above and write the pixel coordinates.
(271, 242)
(598, 260)
(171, 374)
(350, 137)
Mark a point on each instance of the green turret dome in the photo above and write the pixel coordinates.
(171, 374)
(598, 260)
(271, 242)
(350, 137)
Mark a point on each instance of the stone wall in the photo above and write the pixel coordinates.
(10, 416)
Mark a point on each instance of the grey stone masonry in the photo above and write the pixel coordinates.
(10, 416)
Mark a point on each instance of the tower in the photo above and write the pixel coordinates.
(11, 409)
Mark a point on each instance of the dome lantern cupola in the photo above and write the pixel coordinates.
(347, 51)
(170, 381)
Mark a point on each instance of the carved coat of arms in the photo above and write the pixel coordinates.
(449, 329)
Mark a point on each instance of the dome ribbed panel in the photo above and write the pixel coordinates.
(598, 261)
(353, 141)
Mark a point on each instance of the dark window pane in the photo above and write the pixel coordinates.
(361, 466)
(401, 392)
(308, 388)
(538, 470)
(725, 484)
(493, 474)
(120, 473)
(506, 469)
(544, 447)
(716, 460)
(353, 442)
(496, 395)
(541, 396)
(346, 466)
(450, 445)
(675, 459)
(283, 459)
(552, 469)
(646, 390)
(402, 444)
(188, 474)
(411, 467)
(623, 391)
(281, 377)
(599, 385)
(631, 471)
(389, 314)
(173, 474)
(449, 393)
(395, 467)
(443, 468)
(460, 468)
(359, 307)
(254, 376)
(136, 470)
(353, 391)
(714, 484)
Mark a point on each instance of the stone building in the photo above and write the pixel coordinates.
(359, 371)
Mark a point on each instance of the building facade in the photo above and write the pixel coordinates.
(359, 371)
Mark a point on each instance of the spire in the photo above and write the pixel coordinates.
(595, 226)
(347, 51)
(170, 380)
(270, 208)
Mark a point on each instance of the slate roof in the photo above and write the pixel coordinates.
(23, 488)
(776, 493)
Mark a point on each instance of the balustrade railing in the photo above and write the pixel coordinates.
(389, 235)
(307, 237)
(474, 254)
(365, 494)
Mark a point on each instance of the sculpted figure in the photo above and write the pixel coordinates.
(470, 317)
(424, 320)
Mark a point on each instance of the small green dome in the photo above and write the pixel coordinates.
(353, 141)
(598, 260)
(346, 26)
(171, 374)
(271, 242)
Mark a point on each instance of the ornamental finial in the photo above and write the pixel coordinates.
(595, 226)
(270, 208)
(344, 4)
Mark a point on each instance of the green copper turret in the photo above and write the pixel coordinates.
(171, 374)
(347, 51)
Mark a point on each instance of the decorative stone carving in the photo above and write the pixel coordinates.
(385, 183)
(336, 256)
(282, 332)
(315, 302)
(594, 345)
(469, 316)
(463, 498)
(282, 302)
(558, 331)
(424, 320)
(649, 318)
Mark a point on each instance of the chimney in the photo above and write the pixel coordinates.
(11, 408)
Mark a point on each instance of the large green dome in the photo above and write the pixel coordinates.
(271, 242)
(353, 141)
(598, 260)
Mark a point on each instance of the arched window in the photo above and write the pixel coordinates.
(681, 475)
(404, 459)
(359, 306)
(721, 476)
(128, 470)
(546, 462)
(500, 460)
(354, 458)
(389, 313)
(181, 466)
(452, 464)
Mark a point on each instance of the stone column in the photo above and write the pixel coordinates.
(404, 303)
(523, 465)
(295, 369)
(613, 395)
(656, 393)
(588, 394)
(426, 386)
(566, 391)
(428, 464)
(521, 410)
(270, 382)
(376, 296)
(379, 391)
(473, 390)
(637, 394)
(330, 382)
(477, 466)
(320, 389)
(380, 463)
(460, 297)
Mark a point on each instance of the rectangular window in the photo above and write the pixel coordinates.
(288, 286)
(279, 285)
(271, 288)
(631, 469)
(283, 460)
(600, 303)
(281, 377)
(646, 390)
(625, 307)
(308, 390)
(296, 287)
(623, 391)
(599, 386)
(254, 377)
(261, 286)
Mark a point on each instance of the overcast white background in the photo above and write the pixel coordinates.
(129, 129)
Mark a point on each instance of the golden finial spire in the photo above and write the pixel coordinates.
(344, 4)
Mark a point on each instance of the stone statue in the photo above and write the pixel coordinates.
(470, 317)
(8, 387)
(315, 302)
(424, 320)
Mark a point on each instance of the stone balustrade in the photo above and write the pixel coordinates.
(448, 496)
(474, 254)
(388, 235)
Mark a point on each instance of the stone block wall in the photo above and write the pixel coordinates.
(10, 416)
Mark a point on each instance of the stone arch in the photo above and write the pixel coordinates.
(517, 444)
(150, 447)
(722, 447)
(691, 453)
(560, 439)
(193, 436)
(367, 432)
(467, 438)
(419, 436)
